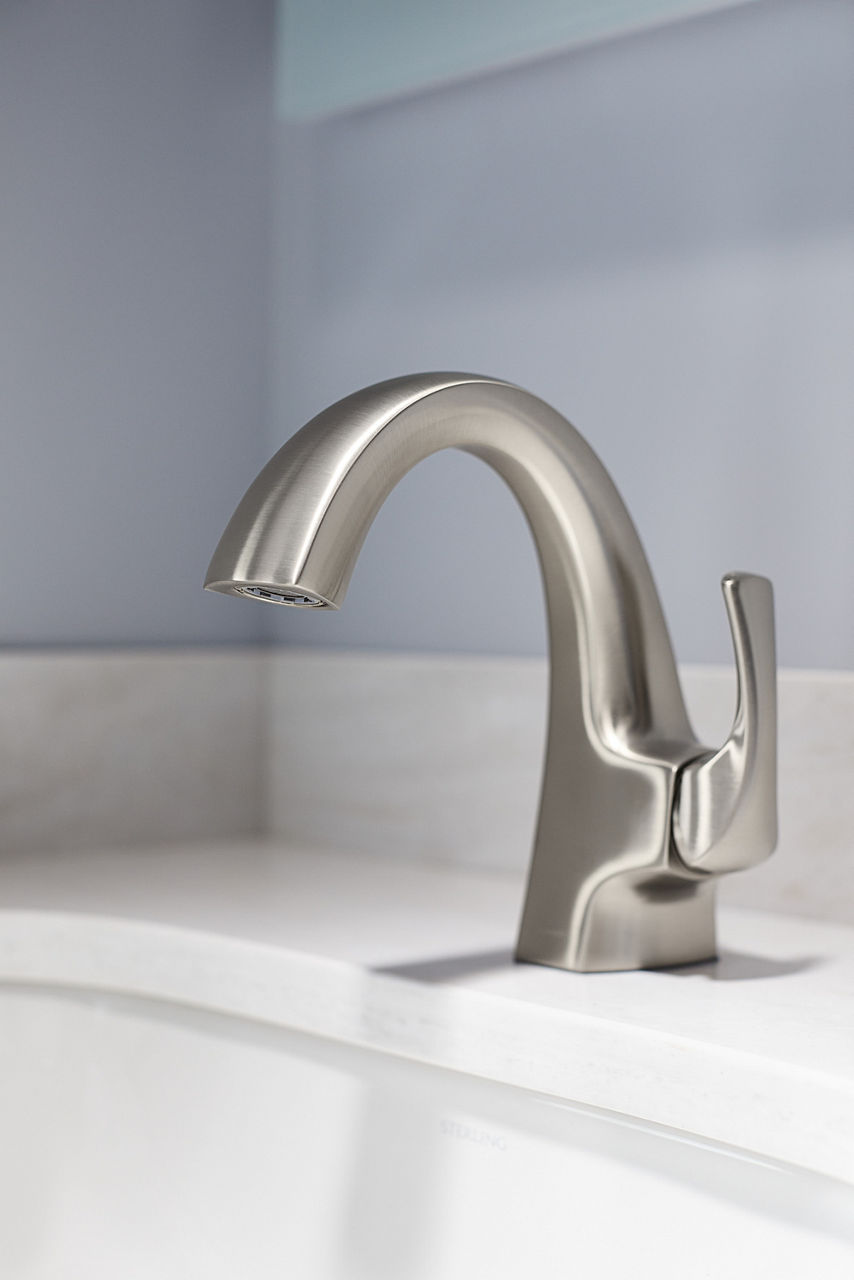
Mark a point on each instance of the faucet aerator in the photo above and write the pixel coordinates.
(297, 599)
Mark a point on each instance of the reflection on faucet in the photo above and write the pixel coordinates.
(637, 818)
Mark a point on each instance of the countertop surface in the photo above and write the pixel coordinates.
(755, 1050)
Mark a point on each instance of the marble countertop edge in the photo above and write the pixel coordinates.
(764, 1063)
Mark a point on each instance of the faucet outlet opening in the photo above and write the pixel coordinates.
(300, 599)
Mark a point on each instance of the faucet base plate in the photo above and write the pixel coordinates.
(632, 922)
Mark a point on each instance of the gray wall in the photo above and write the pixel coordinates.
(134, 233)
(655, 234)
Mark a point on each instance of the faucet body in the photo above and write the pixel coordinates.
(636, 817)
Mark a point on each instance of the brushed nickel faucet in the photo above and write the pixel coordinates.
(637, 819)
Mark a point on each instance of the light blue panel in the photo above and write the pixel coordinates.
(335, 54)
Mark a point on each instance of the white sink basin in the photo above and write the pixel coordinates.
(157, 1123)
(143, 1140)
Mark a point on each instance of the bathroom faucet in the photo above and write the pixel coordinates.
(637, 819)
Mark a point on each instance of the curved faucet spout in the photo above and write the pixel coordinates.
(607, 889)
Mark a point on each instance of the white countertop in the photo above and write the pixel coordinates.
(756, 1050)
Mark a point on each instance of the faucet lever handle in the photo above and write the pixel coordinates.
(725, 811)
